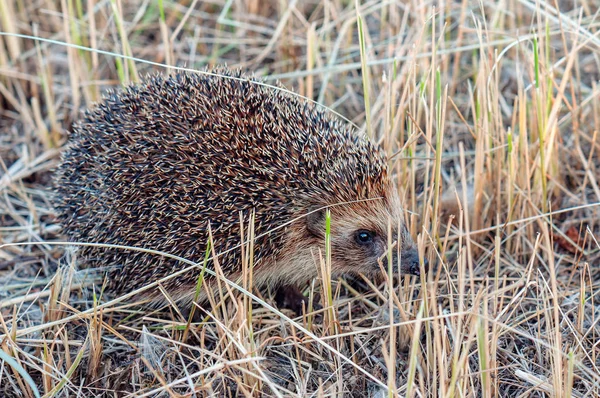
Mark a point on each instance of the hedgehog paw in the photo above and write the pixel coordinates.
(290, 296)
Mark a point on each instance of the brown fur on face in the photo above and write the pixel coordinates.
(306, 241)
(377, 217)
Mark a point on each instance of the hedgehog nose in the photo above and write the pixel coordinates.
(412, 260)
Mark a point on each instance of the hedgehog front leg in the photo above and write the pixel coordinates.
(290, 296)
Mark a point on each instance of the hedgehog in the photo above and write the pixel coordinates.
(160, 163)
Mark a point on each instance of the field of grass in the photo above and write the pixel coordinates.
(490, 113)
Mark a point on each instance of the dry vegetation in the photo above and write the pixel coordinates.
(491, 112)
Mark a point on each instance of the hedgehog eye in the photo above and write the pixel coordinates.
(364, 237)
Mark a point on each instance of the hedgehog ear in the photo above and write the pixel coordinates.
(315, 221)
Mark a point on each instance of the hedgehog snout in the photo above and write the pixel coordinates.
(410, 262)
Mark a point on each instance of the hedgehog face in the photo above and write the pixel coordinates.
(360, 241)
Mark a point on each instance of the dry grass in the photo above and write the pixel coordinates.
(491, 111)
